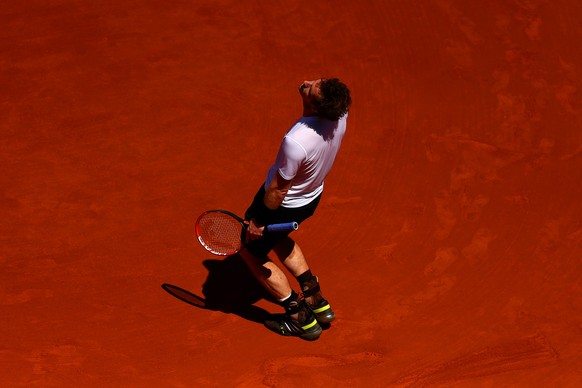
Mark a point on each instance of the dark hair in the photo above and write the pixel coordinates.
(335, 99)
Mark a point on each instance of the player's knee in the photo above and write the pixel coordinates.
(284, 248)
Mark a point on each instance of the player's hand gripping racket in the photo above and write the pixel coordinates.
(222, 233)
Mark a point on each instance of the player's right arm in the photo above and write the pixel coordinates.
(290, 157)
(274, 195)
(276, 191)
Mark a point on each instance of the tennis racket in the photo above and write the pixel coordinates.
(222, 233)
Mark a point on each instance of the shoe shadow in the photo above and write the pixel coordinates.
(229, 287)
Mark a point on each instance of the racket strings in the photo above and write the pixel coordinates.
(221, 233)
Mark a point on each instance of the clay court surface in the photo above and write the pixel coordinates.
(448, 240)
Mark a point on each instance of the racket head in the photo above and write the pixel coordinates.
(220, 232)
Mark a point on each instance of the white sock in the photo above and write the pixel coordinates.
(284, 299)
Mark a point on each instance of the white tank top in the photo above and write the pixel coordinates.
(305, 157)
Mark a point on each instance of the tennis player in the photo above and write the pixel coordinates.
(291, 192)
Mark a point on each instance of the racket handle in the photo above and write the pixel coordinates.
(285, 227)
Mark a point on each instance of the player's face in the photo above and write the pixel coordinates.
(310, 91)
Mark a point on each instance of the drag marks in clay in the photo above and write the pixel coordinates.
(532, 352)
(55, 358)
(320, 368)
(10, 299)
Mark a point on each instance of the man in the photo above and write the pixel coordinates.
(290, 193)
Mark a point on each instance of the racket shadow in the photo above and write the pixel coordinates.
(229, 287)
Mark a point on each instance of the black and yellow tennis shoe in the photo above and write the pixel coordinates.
(316, 302)
(298, 321)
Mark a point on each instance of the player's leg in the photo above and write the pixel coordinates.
(292, 257)
(268, 274)
(298, 319)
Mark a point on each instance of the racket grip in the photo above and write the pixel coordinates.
(285, 227)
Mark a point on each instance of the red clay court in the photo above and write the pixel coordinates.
(449, 238)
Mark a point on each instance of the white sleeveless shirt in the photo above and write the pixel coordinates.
(306, 156)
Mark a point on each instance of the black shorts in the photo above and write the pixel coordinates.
(261, 247)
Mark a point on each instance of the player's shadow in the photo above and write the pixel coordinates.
(230, 287)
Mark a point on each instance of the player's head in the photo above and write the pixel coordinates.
(326, 97)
